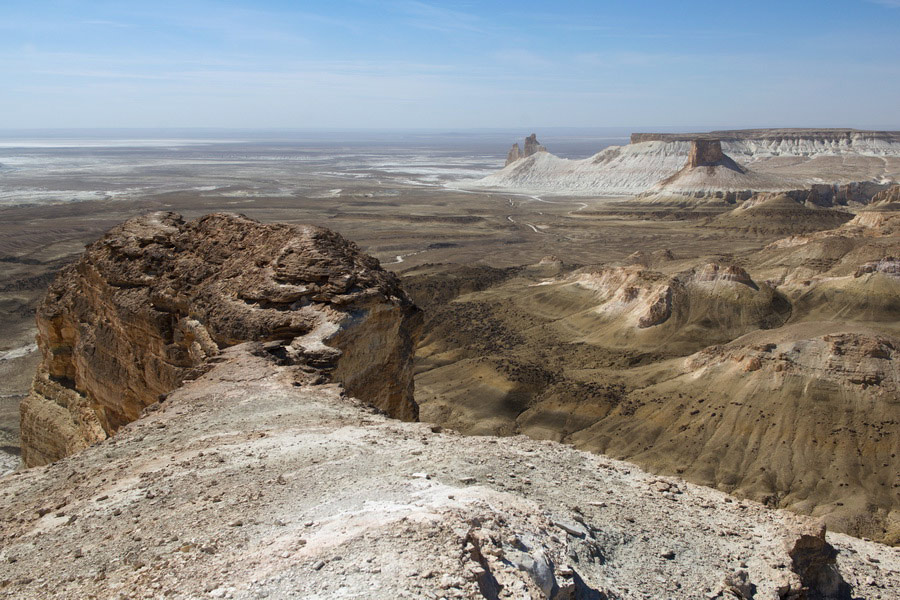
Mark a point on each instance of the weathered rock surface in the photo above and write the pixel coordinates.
(242, 485)
(773, 374)
(158, 298)
(887, 198)
(706, 153)
(784, 213)
(532, 146)
(515, 153)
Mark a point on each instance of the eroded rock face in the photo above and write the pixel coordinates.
(532, 146)
(705, 153)
(158, 298)
(890, 196)
(515, 153)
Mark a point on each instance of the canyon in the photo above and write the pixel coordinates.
(257, 473)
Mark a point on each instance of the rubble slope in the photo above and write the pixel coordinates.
(243, 485)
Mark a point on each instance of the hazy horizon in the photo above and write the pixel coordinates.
(411, 65)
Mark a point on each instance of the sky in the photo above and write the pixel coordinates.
(409, 64)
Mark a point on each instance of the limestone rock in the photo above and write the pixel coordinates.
(532, 146)
(515, 153)
(705, 153)
(158, 298)
(712, 272)
(814, 561)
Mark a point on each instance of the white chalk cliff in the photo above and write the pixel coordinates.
(778, 159)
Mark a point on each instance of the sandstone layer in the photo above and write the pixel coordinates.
(156, 299)
(243, 485)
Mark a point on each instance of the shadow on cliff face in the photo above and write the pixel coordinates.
(151, 303)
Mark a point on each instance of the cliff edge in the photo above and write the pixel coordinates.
(157, 299)
(243, 485)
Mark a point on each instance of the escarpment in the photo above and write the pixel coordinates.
(156, 300)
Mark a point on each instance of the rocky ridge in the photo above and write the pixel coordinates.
(156, 300)
(243, 485)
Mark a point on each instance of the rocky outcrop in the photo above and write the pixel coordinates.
(705, 153)
(532, 146)
(515, 153)
(712, 272)
(157, 299)
(887, 198)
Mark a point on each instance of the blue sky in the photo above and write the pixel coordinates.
(449, 65)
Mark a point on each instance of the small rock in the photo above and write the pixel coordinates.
(571, 527)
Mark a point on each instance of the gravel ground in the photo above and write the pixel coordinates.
(243, 485)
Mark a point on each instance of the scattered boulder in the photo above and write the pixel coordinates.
(814, 561)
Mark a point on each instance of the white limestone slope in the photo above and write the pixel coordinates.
(779, 164)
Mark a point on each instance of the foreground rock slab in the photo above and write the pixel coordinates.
(243, 485)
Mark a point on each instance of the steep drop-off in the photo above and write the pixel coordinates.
(157, 299)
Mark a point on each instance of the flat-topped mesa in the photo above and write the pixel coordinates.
(784, 134)
(157, 298)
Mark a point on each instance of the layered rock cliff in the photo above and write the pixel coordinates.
(778, 160)
(156, 300)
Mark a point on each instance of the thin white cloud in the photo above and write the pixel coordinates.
(103, 23)
(428, 16)
(523, 59)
